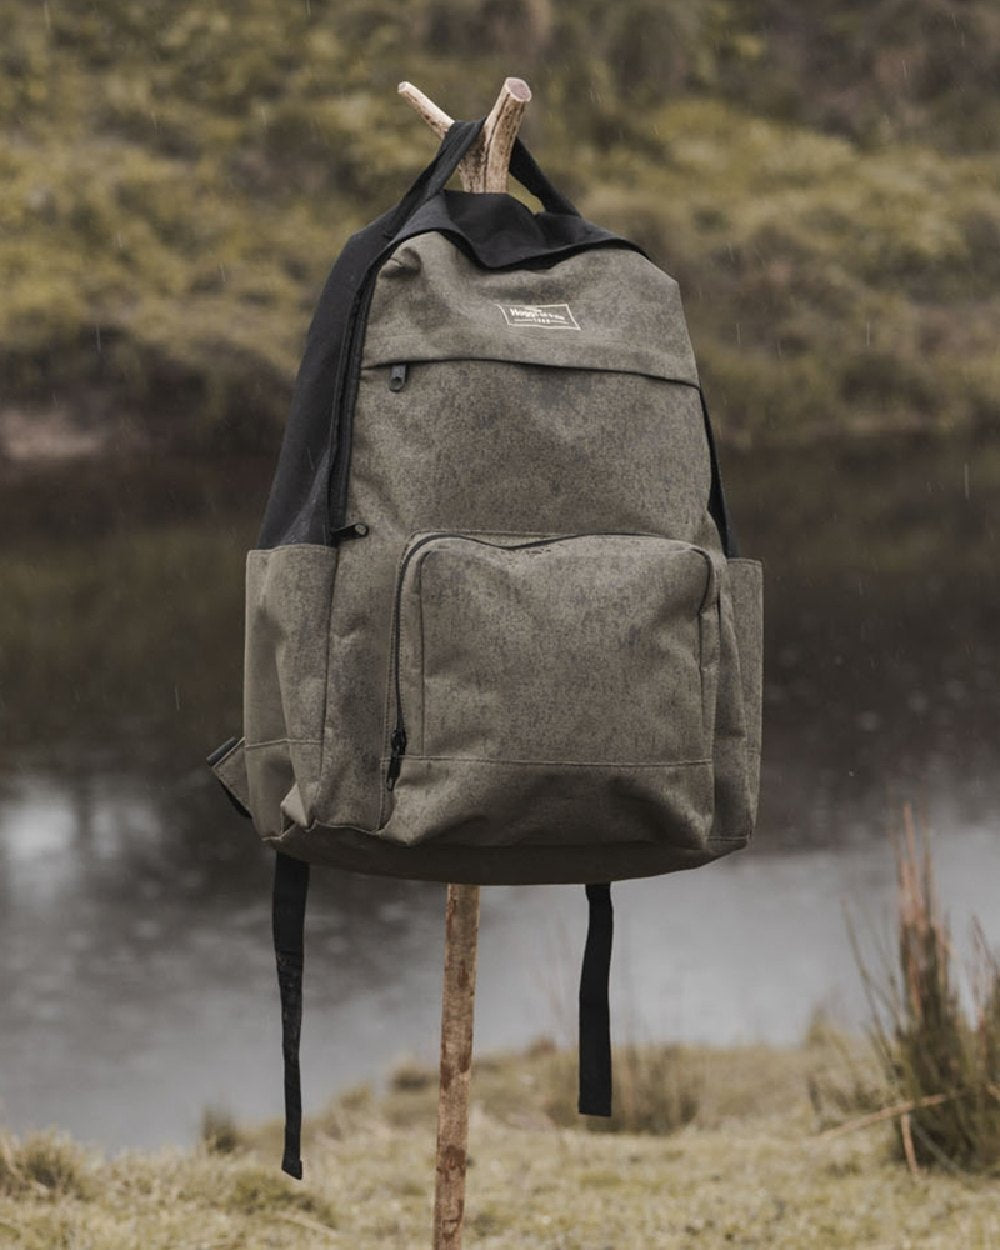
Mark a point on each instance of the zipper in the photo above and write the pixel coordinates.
(397, 377)
(343, 405)
(397, 741)
(356, 529)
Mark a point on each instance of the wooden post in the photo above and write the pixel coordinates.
(461, 933)
(483, 168)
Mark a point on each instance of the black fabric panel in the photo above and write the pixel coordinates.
(291, 885)
(456, 142)
(305, 448)
(595, 1009)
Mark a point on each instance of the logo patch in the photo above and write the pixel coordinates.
(545, 316)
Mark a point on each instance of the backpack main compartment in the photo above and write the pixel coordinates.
(522, 654)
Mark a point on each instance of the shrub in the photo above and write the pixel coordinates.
(46, 1164)
(219, 1132)
(657, 1091)
(941, 1061)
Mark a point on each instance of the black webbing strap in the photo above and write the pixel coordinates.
(525, 169)
(457, 140)
(595, 1010)
(291, 884)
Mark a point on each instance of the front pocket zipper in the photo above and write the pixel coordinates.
(398, 739)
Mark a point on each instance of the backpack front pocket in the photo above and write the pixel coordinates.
(551, 689)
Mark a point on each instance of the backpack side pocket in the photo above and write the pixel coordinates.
(289, 592)
(738, 709)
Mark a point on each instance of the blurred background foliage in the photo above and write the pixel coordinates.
(822, 180)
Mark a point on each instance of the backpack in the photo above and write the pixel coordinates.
(497, 630)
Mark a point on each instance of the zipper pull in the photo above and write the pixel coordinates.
(397, 377)
(357, 529)
(398, 744)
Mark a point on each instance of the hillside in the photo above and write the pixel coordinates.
(178, 177)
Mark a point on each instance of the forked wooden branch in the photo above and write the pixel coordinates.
(484, 168)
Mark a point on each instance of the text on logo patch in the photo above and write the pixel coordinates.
(546, 316)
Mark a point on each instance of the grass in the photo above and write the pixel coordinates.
(45, 1164)
(748, 1168)
(940, 1059)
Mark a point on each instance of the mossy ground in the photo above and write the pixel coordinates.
(751, 1169)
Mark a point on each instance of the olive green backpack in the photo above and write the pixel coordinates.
(496, 628)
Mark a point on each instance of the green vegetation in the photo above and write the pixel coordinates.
(822, 180)
(941, 1067)
(749, 1169)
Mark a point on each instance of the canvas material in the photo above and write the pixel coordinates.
(432, 302)
(513, 431)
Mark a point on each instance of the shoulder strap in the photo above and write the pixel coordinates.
(528, 174)
(595, 1009)
(459, 137)
(291, 884)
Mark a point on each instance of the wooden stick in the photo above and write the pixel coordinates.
(908, 1151)
(435, 117)
(888, 1113)
(461, 932)
(484, 168)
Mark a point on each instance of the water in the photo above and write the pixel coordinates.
(136, 976)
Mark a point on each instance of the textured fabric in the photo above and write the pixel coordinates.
(289, 592)
(531, 864)
(610, 309)
(590, 649)
(557, 691)
(746, 594)
(229, 765)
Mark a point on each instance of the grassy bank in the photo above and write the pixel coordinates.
(177, 178)
(750, 1168)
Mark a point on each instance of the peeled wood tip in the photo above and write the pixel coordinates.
(519, 89)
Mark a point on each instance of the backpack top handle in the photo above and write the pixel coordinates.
(490, 150)
(484, 167)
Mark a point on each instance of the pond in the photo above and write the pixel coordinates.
(136, 973)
